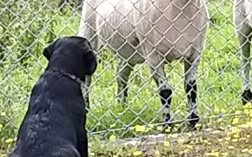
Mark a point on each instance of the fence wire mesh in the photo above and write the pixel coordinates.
(28, 26)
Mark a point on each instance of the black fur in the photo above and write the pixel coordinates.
(191, 90)
(54, 125)
(166, 97)
(246, 97)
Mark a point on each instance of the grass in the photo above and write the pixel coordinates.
(219, 84)
(223, 139)
(224, 144)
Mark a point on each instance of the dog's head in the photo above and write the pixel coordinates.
(72, 51)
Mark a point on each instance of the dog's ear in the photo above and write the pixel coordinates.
(48, 51)
(91, 62)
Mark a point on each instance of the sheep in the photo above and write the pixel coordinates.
(242, 19)
(152, 31)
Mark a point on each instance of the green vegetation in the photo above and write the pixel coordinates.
(26, 28)
(222, 140)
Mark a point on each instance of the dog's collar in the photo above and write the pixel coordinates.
(78, 80)
(71, 76)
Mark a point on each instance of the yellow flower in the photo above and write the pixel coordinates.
(238, 112)
(184, 151)
(250, 150)
(177, 125)
(189, 146)
(223, 110)
(2, 114)
(181, 152)
(9, 140)
(235, 121)
(159, 128)
(246, 111)
(224, 154)
(208, 129)
(173, 135)
(198, 125)
(140, 128)
(112, 137)
(243, 126)
(168, 130)
(249, 124)
(213, 154)
(166, 143)
(230, 147)
(189, 134)
(132, 128)
(206, 142)
(244, 150)
(157, 153)
(236, 131)
(180, 141)
(234, 140)
(112, 125)
(248, 105)
(137, 153)
(151, 126)
(216, 131)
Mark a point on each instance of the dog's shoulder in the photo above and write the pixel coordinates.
(54, 99)
(41, 85)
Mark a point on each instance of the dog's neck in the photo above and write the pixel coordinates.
(68, 71)
(71, 76)
(73, 68)
(74, 78)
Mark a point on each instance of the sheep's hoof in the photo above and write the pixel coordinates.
(246, 97)
(193, 120)
(167, 129)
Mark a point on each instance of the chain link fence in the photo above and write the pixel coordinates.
(27, 26)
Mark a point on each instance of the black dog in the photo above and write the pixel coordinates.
(54, 125)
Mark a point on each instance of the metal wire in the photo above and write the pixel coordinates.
(27, 26)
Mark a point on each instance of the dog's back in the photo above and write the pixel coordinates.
(54, 125)
(50, 122)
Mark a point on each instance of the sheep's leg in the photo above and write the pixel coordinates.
(123, 72)
(190, 85)
(243, 31)
(165, 92)
(62, 4)
(244, 40)
(88, 79)
(88, 32)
